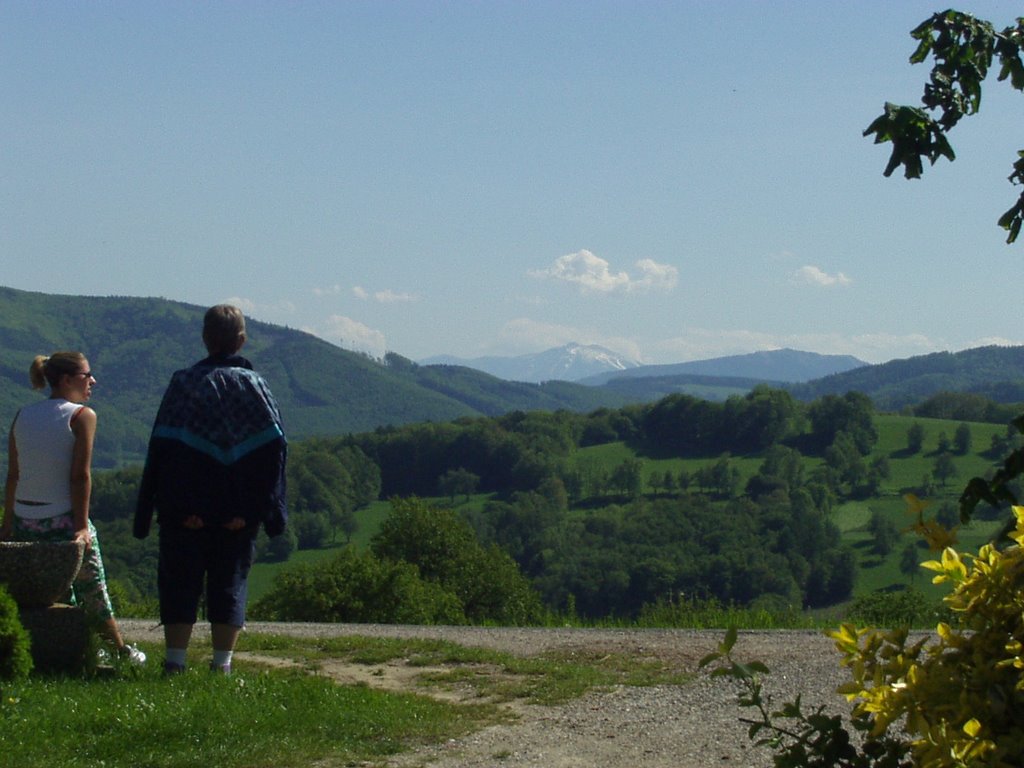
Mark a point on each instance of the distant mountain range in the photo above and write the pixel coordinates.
(572, 362)
(777, 365)
(594, 366)
(135, 344)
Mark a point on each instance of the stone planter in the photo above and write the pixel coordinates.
(38, 574)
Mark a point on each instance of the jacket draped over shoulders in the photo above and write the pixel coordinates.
(217, 450)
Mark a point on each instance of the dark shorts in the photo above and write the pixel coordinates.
(219, 557)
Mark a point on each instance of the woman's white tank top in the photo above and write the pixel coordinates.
(45, 445)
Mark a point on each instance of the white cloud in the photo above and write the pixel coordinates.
(351, 334)
(248, 306)
(261, 310)
(387, 296)
(816, 276)
(594, 275)
(391, 297)
(993, 341)
(659, 276)
(330, 290)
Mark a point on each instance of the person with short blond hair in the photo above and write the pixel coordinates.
(214, 474)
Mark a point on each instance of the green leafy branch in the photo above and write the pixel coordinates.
(801, 739)
(997, 490)
(963, 49)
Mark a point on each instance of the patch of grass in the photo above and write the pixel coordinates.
(254, 718)
(257, 717)
(262, 717)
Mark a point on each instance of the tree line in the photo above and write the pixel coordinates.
(589, 539)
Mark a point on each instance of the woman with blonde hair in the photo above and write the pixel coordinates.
(49, 479)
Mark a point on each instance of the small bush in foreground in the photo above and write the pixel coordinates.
(955, 699)
(905, 608)
(15, 656)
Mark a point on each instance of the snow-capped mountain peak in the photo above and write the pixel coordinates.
(571, 362)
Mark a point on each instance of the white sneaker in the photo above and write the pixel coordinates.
(133, 655)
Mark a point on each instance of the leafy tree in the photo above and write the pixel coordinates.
(279, 548)
(785, 465)
(704, 477)
(963, 50)
(944, 469)
(725, 476)
(910, 561)
(765, 417)
(312, 531)
(970, 406)
(627, 478)
(884, 533)
(878, 470)
(852, 413)
(844, 457)
(915, 438)
(684, 479)
(329, 479)
(947, 516)
(446, 551)
(456, 481)
(962, 439)
(530, 526)
(114, 493)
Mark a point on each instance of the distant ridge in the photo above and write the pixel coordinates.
(994, 372)
(571, 362)
(777, 365)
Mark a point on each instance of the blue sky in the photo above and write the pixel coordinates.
(672, 180)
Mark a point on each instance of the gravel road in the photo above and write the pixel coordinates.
(694, 725)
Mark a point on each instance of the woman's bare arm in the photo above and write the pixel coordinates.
(83, 425)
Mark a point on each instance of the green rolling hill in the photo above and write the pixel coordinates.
(135, 344)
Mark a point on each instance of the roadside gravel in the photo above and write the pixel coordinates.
(694, 725)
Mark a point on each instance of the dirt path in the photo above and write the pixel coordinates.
(694, 725)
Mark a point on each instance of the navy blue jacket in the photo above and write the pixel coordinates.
(217, 450)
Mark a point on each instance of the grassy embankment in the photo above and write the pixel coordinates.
(875, 572)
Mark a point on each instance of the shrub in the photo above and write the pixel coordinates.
(15, 658)
(356, 586)
(445, 550)
(954, 699)
(982, 662)
(903, 608)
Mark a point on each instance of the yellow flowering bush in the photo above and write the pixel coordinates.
(951, 700)
(958, 697)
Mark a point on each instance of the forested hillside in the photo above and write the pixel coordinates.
(135, 344)
(761, 500)
(994, 372)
